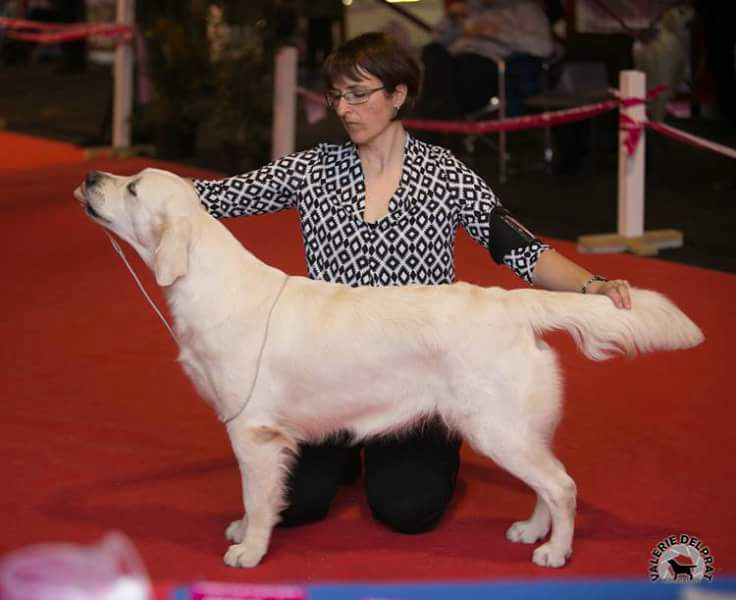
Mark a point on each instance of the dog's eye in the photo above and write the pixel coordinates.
(131, 189)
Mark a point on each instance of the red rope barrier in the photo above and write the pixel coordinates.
(689, 138)
(52, 33)
(559, 117)
(546, 119)
(634, 130)
(26, 24)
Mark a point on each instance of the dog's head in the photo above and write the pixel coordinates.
(153, 211)
(678, 18)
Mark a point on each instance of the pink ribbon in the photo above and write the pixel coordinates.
(633, 128)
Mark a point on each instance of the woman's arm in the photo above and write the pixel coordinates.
(555, 272)
(490, 224)
(271, 188)
(510, 243)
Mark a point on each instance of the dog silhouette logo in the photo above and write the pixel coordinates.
(681, 558)
(678, 569)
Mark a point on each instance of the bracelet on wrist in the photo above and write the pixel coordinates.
(584, 289)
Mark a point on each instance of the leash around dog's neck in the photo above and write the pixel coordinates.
(237, 413)
(120, 253)
(226, 420)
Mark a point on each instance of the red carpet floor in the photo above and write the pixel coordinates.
(100, 430)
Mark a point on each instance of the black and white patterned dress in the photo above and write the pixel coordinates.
(413, 243)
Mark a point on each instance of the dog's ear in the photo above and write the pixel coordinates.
(171, 259)
(670, 19)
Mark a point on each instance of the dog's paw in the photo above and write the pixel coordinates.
(235, 532)
(549, 556)
(240, 555)
(526, 532)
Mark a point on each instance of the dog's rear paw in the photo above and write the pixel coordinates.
(548, 556)
(527, 532)
(240, 555)
(235, 532)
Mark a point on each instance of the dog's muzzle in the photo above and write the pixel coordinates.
(92, 178)
(82, 192)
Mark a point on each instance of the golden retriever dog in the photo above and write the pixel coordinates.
(664, 58)
(285, 359)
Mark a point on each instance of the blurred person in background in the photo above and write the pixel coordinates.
(460, 68)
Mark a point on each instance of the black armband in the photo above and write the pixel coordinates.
(506, 234)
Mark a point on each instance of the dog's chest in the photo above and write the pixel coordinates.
(193, 369)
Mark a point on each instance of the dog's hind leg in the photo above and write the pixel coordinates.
(535, 465)
(263, 454)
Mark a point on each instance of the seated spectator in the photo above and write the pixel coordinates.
(460, 72)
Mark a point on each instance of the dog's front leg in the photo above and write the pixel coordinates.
(262, 453)
(235, 532)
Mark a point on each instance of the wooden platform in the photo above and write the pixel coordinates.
(648, 244)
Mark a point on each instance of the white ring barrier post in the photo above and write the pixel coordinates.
(283, 132)
(633, 84)
(631, 170)
(123, 78)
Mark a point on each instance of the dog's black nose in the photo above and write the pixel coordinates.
(92, 178)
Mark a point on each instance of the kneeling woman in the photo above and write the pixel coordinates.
(383, 209)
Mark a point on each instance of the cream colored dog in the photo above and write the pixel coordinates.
(285, 359)
(665, 57)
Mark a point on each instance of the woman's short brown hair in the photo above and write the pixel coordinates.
(381, 56)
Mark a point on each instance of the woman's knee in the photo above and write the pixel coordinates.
(410, 483)
(410, 514)
(314, 479)
(307, 507)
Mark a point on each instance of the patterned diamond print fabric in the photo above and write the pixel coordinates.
(413, 243)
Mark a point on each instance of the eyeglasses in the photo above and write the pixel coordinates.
(352, 97)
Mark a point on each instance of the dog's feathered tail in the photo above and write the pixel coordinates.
(600, 329)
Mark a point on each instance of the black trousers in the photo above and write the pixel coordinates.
(409, 479)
